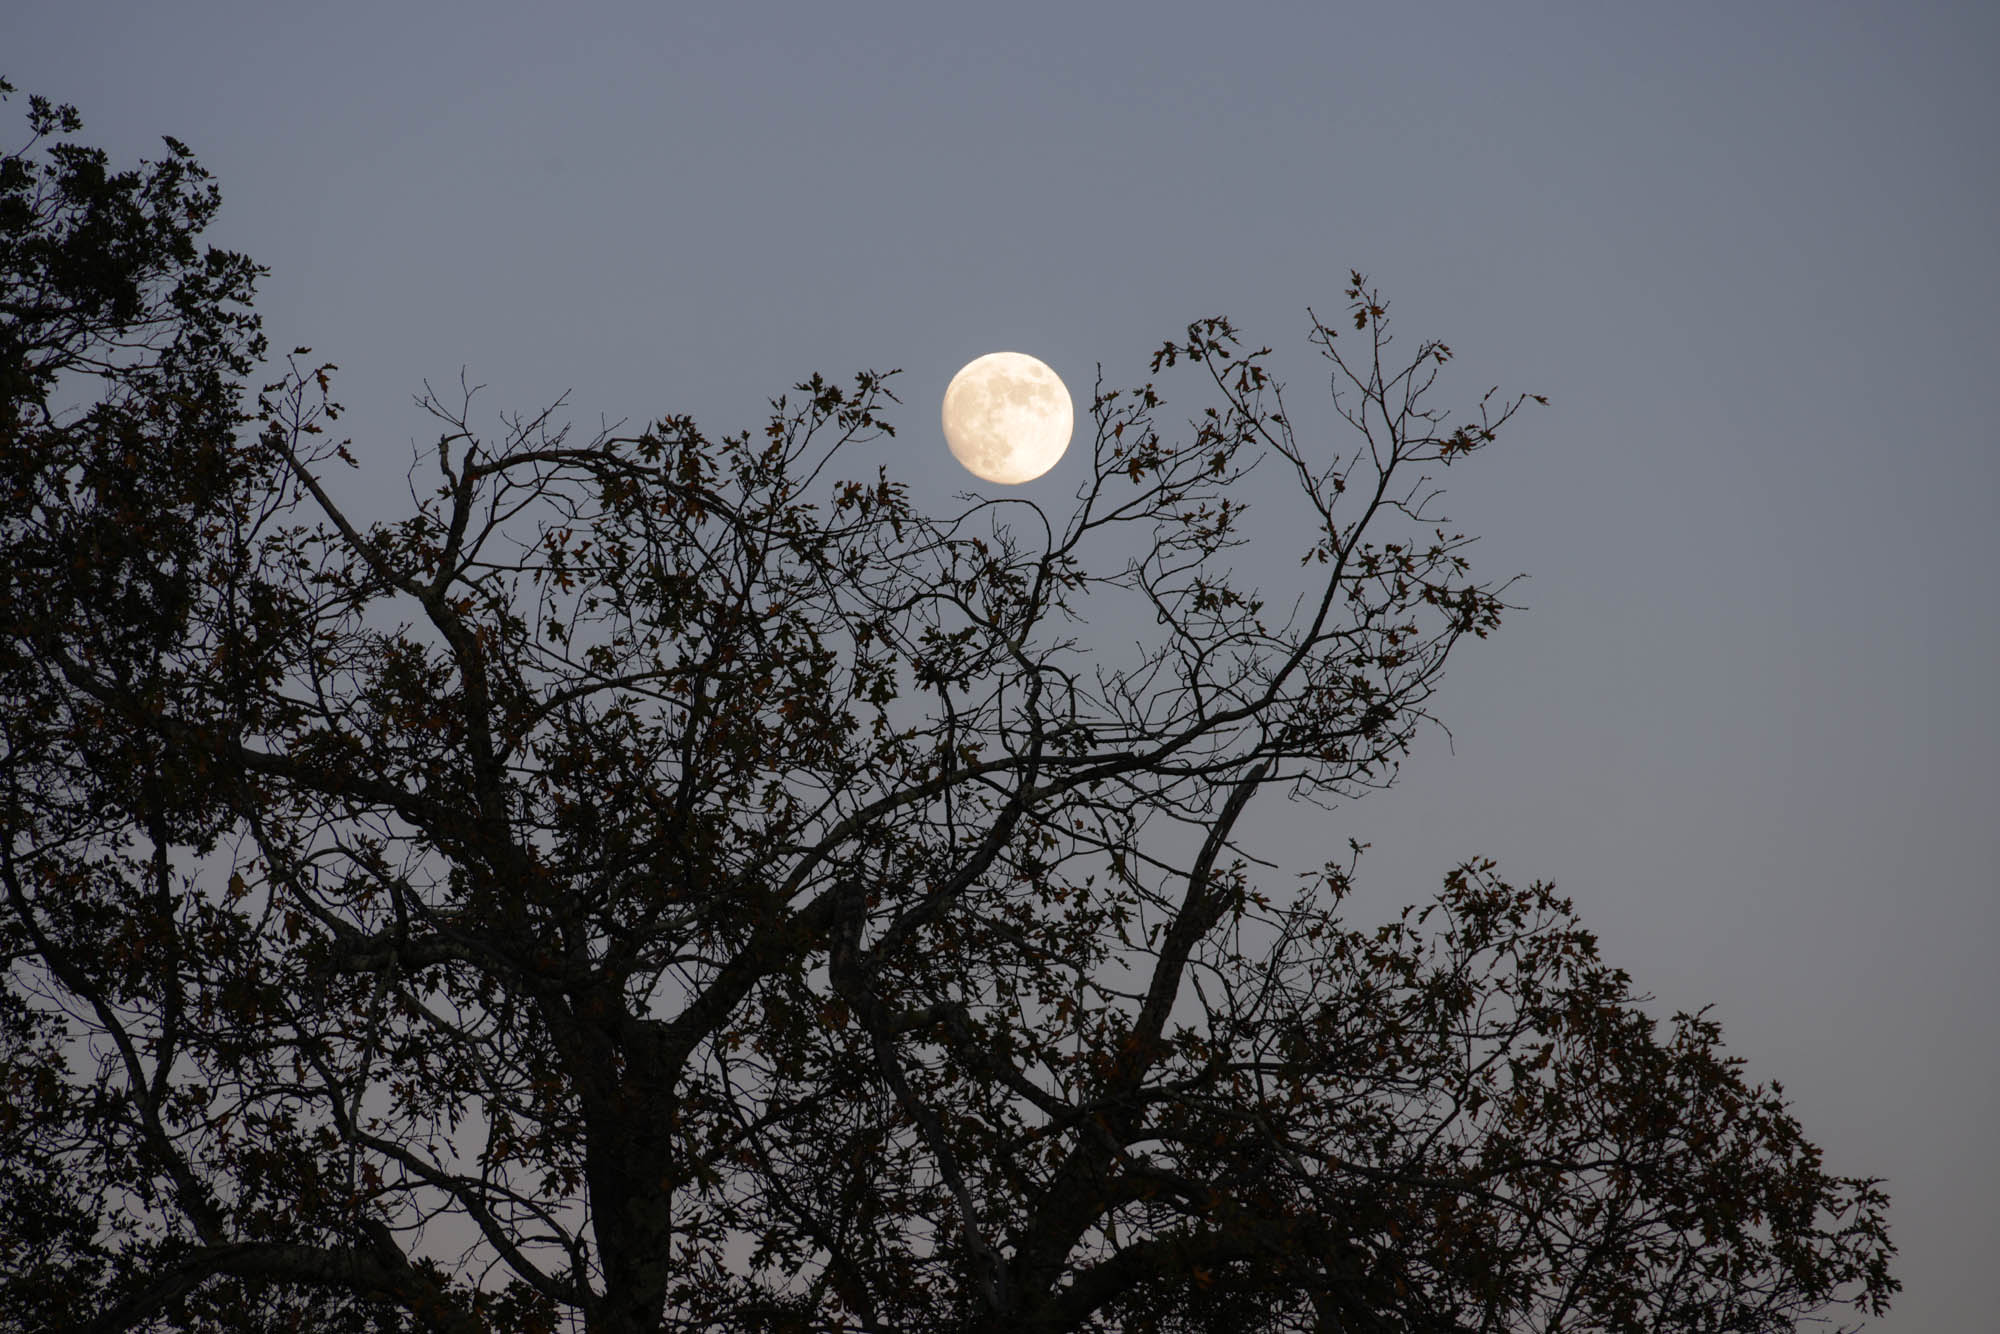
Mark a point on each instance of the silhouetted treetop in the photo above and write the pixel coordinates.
(668, 881)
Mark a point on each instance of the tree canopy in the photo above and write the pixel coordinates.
(663, 880)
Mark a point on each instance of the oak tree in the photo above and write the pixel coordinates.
(662, 880)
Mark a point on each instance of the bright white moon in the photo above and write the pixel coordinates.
(1007, 417)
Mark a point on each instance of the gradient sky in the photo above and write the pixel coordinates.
(1748, 718)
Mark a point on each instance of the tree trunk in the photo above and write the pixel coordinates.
(628, 1112)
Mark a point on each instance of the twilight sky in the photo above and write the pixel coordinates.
(1748, 719)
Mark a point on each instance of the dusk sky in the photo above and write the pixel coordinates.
(1747, 716)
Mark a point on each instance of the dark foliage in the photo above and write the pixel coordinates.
(654, 884)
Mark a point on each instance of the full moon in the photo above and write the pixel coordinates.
(1007, 417)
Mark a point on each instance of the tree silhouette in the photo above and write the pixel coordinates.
(658, 882)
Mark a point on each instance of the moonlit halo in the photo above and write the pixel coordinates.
(1007, 417)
